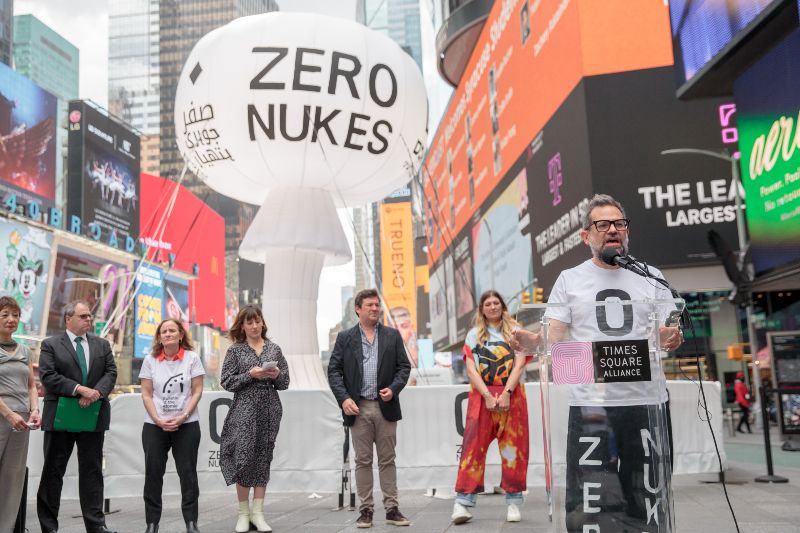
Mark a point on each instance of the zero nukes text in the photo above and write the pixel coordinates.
(317, 70)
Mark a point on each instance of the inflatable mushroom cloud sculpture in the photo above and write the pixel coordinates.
(300, 114)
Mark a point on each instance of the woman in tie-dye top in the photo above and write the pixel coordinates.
(497, 409)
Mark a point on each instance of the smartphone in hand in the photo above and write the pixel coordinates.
(269, 364)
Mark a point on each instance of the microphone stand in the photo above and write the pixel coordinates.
(632, 264)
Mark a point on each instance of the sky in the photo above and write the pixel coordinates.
(85, 24)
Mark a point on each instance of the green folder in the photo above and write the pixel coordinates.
(70, 416)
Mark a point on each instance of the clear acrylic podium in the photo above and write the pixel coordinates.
(605, 417)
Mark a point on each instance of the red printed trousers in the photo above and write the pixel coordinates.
(510, 428)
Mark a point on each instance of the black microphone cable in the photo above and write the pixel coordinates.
(702, 402)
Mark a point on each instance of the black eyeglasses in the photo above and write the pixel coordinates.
(85, 316)
(604, 225)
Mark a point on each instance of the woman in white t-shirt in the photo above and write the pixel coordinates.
(172, 384)
(496, 409)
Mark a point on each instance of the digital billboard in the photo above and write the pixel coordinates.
(148, 307)
(27, 131)
(501, 248)
(25, 271)
(103, 174)
(517, 77)
(105, 284)
(672, 200)
(397, 272)
(768, 100)
(707, 33)
(192, 235)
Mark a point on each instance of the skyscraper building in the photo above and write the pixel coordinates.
(6, 30)
(181, 24)
(46, 57)
(133, 63)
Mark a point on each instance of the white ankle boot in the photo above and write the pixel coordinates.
(257, 516)
(243, 523)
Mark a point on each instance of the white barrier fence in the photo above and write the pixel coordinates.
(308, 454)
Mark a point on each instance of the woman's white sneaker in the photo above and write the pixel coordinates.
(460, 514)
(513, 514)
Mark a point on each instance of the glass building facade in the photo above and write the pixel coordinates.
(6, 30)
(133, 63)
(45, 57)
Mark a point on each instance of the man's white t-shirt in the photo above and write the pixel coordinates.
(588, 282)
(172, 383)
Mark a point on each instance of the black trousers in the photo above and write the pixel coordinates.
(184, 444)
(745, 419)
(58, 447)
(616, 478)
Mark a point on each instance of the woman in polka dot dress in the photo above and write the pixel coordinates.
(254, 370)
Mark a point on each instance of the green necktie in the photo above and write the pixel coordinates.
(81, 359)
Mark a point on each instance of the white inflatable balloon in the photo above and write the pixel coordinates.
(286, 100)
(299, 113)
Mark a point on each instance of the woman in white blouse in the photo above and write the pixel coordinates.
(172, 384)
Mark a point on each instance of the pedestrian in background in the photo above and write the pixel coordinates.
(254, 371)
(172, 384)
(743, 401)
(19, 407)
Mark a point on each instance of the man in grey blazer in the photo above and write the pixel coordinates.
(367, 370)
(75, 364)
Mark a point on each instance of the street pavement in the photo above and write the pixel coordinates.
(699, 503)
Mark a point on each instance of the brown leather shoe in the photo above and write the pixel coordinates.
(396, 518)
(365, 519)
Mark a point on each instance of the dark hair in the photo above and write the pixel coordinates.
(69, 309)
(248, 312)
(186, 342)
(363, 295)
(7, 302)
(599, 200)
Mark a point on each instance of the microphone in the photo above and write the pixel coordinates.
(614, 257)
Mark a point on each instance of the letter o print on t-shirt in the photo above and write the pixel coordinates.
(602, 318)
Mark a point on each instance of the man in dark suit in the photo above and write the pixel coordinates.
(75, 364)
(368, 369)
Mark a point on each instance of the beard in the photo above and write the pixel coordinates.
(622, 246)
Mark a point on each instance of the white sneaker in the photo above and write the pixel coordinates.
(513, 514)
(461, 514)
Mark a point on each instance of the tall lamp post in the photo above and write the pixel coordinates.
(741, 233)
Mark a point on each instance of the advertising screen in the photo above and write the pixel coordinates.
(397, 269)
(25, 271)
(672, 200)
(768, 100)
(559, 177)
(501, 244)
(438, 299)
(148, 307)
(176, 300)
(28, 131)
(191, 234)
(517, 77)
(464, 284)
(104, 284)
(103, 176)
(702, 28)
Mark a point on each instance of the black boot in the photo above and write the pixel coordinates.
(191, 527)
(151, 528)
